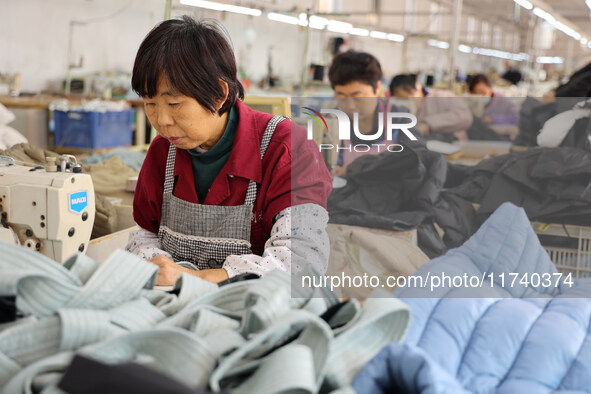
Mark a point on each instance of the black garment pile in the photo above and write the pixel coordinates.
(403, 191)
(553, 185)
(512, 75)
(534, 114)
(418, 189)
(578, 85)
(479, 130)
(88, 376)
(8, 312)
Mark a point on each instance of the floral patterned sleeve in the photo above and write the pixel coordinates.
(298, 237)
(145, 244)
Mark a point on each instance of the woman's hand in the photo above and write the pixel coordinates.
(169, 271)
(214, 275)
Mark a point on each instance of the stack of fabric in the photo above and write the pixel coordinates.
(253, 336)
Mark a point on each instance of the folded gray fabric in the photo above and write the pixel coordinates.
(249, 336)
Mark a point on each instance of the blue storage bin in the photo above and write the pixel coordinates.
(92, 130)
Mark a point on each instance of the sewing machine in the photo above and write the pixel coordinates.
(49, 209)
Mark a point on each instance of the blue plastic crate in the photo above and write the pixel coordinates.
(92, 130)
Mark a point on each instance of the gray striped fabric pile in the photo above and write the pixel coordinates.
(250, 336)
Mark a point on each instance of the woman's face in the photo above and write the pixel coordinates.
(482, 89)
(357, 97)
(182, 120)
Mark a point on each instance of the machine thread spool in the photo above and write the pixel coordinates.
(51, 164)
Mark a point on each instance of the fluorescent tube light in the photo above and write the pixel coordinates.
(210, 5)
(526, 4)
(396, 37)
(378, 34)
(359, 32)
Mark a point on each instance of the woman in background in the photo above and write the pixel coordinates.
(498, 109)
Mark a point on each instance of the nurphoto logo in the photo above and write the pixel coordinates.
(393, 124)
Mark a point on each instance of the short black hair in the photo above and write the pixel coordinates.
(405, 82)
(354, 66)
(194, 56)
(475, 80)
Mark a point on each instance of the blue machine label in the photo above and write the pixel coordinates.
(78, 201)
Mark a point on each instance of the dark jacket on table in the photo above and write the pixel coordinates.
(402, 191)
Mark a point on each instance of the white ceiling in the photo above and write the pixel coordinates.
(390, 16)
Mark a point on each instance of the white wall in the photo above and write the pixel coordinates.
(34, 39)
(34, 36)
(252, 38)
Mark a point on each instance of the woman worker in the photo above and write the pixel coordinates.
(498, 109)
(221, 183)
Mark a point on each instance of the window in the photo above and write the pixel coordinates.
(485, 33)
(509, 41)
(516, 42)
(435, 26)
(410, 19)
(497, 37)
(472, 26)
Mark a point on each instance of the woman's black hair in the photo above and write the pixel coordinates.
(194, 56)
(475, 80)
(406, 82)
(354, 66)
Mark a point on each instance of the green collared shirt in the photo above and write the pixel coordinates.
(207, 165)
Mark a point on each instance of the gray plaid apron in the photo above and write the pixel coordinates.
(206, 234)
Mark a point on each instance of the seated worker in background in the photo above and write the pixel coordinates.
(216, 188)
(498, 109)
(355, 79)
(438, 111)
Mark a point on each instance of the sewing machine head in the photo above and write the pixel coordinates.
(45, 209)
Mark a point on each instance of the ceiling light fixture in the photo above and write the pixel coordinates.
(210, 5)
(526, 4)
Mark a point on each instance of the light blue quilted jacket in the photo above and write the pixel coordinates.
(514, 340)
